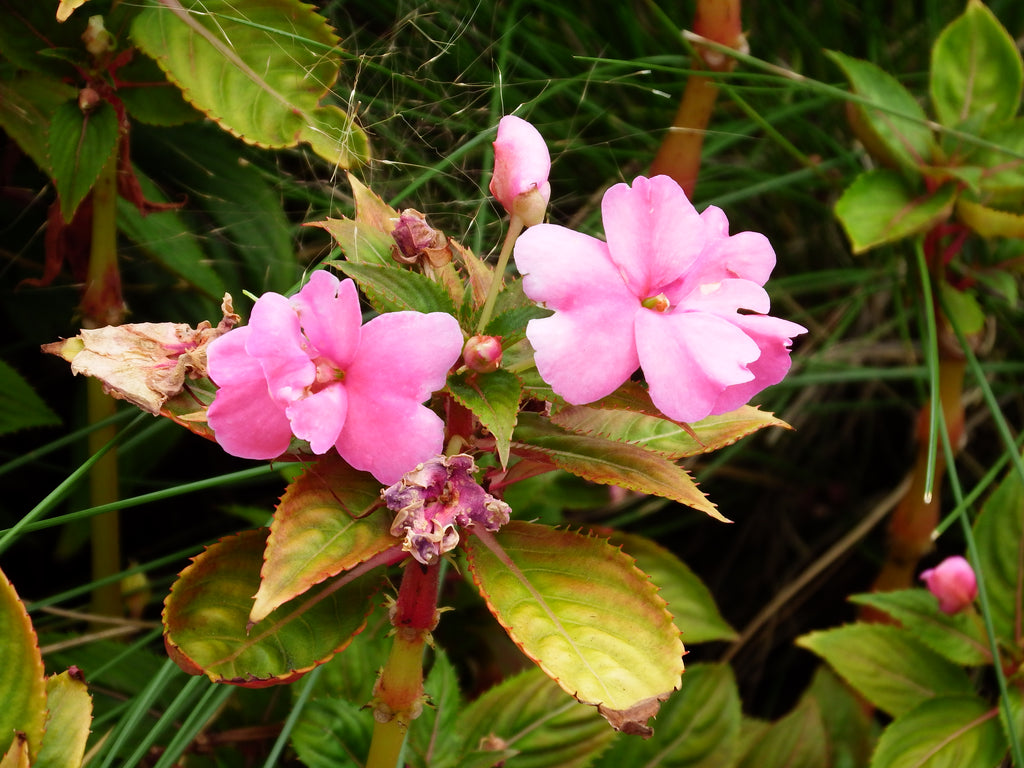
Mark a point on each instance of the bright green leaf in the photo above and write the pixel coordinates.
(20, 406)
(663, 435)
(207, 612)
(999, 532)
(79, 146)
(879, 207)
(531, 715)
(962, 308)
(944, 732)
(887, 665)
(494, 399)
(798, 740)
(1003, 168)
(27, 103)
(262, 85)
(321, 527)
(433, 736)
(906, 140)
(697, 728)
(591, 620)
(610, 462)
(958, 637)
(392, 289)
(22, 687)
(976, 69)
(67, 722)
(689, 601)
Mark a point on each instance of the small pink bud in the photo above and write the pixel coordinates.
(953, 582)
(88, 99)
(482, 353)
(521, 167)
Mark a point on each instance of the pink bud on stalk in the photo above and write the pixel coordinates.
(521, 167)
(482, 354)
(953, 582)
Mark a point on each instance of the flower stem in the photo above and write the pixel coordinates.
(398, 695)
(515, 226)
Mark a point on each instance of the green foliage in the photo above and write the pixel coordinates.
(494, 400)
(80, 144)
(20, 406)
(944, 732)
(21, 678)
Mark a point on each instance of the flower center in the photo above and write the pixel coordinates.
(326, 373)
(659, 303)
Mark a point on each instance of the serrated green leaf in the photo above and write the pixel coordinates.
(610, 462)
(259, 83)
(392, 289)
(320, 528)
(689, 601)
(20, 406)
(22, 687)
(155, 101)
(663, 435)
(958, 637)
(530, 717)
(433, 738)
(945, 732)
(889, 666)
(584, 613)
(67, 722)
(79, 145)
(168, 240)
(513, 310)
(798, 740)
(999, 533)
(848, 723)
(976, 69)
(1003, 171)
(989, 222)
(906, 140)
(207, 612)
(697, 728)
(494, 399)
(27, 103)
(333, 733)
(879, 207)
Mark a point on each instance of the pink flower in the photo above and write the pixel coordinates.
(521, 167)
(953, 582)
(671, 292)
(305, 366)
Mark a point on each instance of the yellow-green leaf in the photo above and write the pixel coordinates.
(22, 687)
(585, 614)
(68, 721)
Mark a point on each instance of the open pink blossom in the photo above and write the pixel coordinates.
(306, 366)
(670, 291)
(521, 167)
(953, 582)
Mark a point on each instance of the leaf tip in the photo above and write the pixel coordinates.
(633, 720)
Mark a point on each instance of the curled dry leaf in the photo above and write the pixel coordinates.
(144, 363)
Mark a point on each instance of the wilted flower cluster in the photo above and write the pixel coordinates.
(670, 292)
(433, 499)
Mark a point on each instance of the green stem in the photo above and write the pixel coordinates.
(398, 695)
(515, 226)
(102, 304)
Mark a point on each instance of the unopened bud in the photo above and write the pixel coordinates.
(96, 37)
(416, 241)
(482, 354)
(88, 99)
(953, 582)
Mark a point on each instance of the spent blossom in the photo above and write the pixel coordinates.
(431, 500)
(670, 292)
(953, 582)
(306, 366)
(521, 166)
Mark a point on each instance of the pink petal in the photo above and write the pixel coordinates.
(276, 340)
(689, 358)
(747, 255)
(586, 350)
(521, 162)
(773, 336)
(328, 311)
(654, 233)
(725, 297)
(388, 436)
(319, 417)
(245, 420)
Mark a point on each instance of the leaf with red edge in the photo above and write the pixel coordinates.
(319, 531)
(207, 611)
(663, 435)
(79, 146)
(22, 686)
(583, 611)
(609, 462)
(67, 721)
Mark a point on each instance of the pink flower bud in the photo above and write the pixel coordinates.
(521, 167)
(953, 582)
(482, 354)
